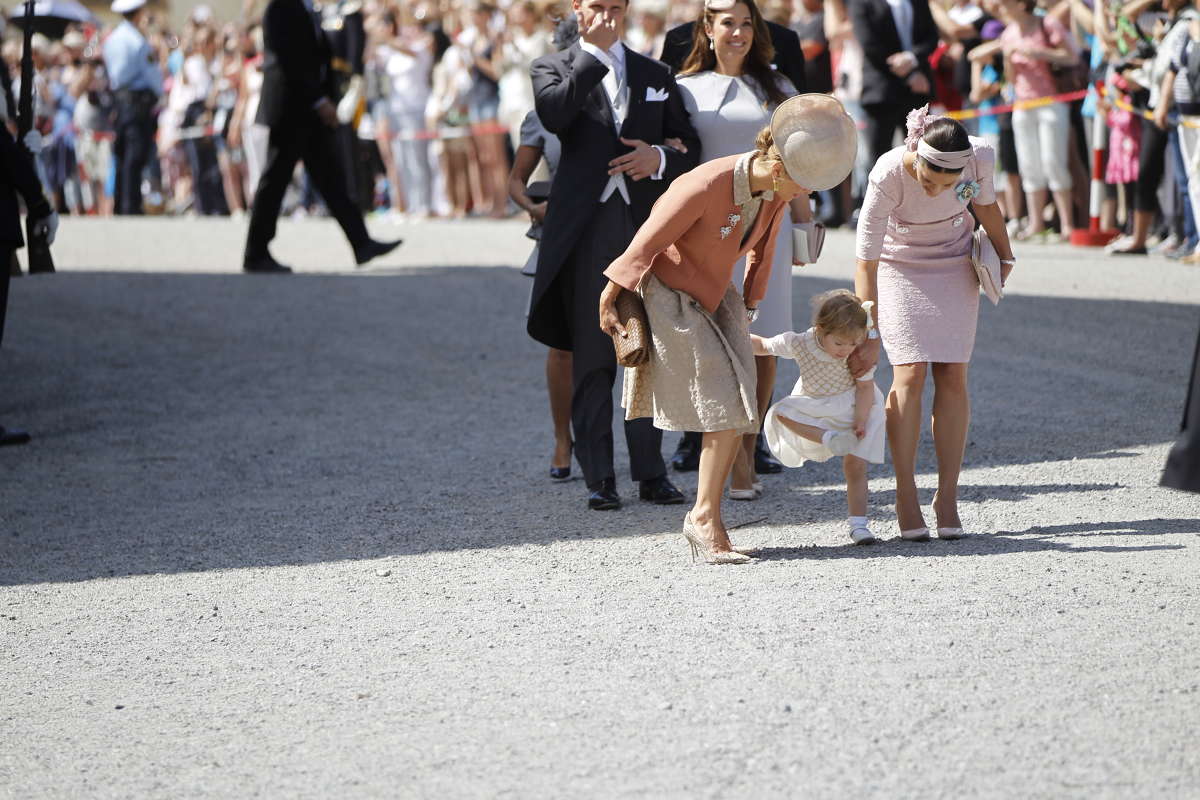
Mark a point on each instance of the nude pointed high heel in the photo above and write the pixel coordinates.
(701, 547)
(915, 535)
(948, 534)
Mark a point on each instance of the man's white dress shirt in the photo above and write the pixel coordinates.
(616, 86)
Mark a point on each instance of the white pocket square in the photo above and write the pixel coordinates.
(656, 95)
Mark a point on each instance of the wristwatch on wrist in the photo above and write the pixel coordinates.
(751, 314)
(872, 334)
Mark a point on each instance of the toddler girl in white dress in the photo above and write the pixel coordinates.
(829, 413)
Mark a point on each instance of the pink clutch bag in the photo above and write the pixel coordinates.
(987, 266)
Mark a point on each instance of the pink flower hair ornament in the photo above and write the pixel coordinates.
(916, 123)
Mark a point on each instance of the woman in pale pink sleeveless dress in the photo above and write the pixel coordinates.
(913, 251)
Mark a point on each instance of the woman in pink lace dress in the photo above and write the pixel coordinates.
(913, 250)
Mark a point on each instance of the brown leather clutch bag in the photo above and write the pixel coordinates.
(633, 349)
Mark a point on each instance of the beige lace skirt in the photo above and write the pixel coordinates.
(701, 374)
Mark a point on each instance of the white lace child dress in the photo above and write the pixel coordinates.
(824, 398)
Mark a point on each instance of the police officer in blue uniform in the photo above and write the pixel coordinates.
(137, 85)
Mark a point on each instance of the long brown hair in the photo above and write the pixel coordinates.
(758, 61)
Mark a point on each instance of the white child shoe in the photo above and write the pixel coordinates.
(859, 532)
(862, 535)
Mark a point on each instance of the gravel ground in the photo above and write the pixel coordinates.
(293, 537)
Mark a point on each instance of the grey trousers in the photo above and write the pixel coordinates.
(412, 162)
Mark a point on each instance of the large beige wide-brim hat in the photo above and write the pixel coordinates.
(817, 140)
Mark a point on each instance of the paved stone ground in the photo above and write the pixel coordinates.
(293, 537)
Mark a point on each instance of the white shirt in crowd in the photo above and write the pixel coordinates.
(408, 78)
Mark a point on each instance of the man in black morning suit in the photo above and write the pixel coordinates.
(297, 104)
(612, 109)
(897, 39)
(789, 57)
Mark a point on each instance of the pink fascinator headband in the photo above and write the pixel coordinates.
(918, 121)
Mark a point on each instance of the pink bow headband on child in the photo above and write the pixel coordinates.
(918, 121)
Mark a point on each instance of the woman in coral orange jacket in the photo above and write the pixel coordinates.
(700, 376)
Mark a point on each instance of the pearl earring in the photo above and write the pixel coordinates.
(711, 45)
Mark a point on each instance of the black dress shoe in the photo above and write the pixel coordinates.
(11, 437)
(373, 249)
(764, 462)
(265, 264)
(604, 496)
(660, 491)
(687, 454)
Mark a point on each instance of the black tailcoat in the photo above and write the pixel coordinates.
(295, 67)
(572, 103)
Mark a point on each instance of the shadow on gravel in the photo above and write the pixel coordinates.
(966, 492)
(1034, 540)
(1142, 527)
(198, 422)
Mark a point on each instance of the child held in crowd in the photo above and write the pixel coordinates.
(829, 413)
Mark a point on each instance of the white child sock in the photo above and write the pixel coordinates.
(856, 522)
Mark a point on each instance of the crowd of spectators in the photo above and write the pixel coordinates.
(445, 86)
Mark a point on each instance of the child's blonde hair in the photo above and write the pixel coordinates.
(840, 312)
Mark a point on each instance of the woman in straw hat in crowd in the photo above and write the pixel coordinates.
(913, 251)
(701, 375)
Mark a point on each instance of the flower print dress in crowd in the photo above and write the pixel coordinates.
(928, 293)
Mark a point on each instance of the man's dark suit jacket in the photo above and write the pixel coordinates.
(789, 58)
(295, 64)
(875, 30)
(572, 103)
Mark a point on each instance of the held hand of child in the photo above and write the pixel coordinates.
(860, 428)
(864, 357)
